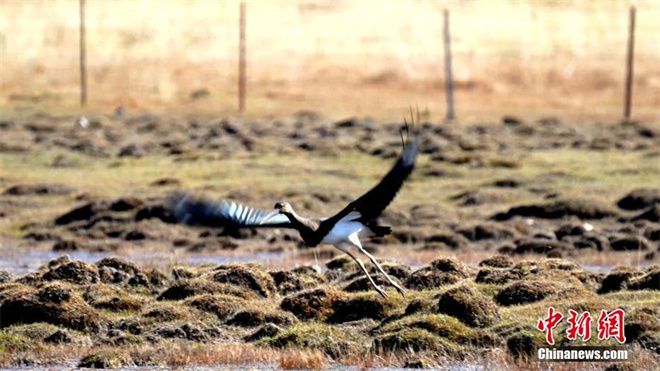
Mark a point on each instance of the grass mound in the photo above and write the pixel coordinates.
(357, 307)
(248, 277)
(219, 304)
(441, 272)
(523, 345)
(190, 287)
(470, 307)
(76, 271)
(312, 304)
(415, 340)
(524, 292)
(258, 317)
(618, 279)
(498, 261)
(104, 359)
(331, 340)
(55, 304)
(580, 208)
(288, 282)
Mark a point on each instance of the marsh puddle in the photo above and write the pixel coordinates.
(30, 261)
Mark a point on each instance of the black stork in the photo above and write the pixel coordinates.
(343, 230)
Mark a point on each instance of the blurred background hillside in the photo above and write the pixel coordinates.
(530, 58)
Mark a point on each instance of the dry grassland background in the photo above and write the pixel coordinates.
(531, 58)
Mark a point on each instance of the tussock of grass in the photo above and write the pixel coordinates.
(331, 340)
(311, 328)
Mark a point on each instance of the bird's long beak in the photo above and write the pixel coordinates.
(272, 214)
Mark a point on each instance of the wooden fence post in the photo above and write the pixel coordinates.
(83, 57)
(242, 86)
(629, 65)
(449, 80)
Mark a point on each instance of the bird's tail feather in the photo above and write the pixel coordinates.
(380, 230)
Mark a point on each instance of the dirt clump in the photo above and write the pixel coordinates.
(268, 330)
(59, 337)
(85, 212)
(571, 229)
(650, 341)
(258, 317)
(415, 339)
(343, 263)
(618, 278)
(524, 292)
(332, 341)
(362, 284)
(76, 271)
(247, 277)
(441, 272)
(38, 190)
(640, 321)
(120, 265)
(125, 204)
(121, 302)
(219, 304)
(498, 261)
(453, 240)
(312, 304)
(523, 345)
(159, 212)
(55, 293)
(649, 281)
(289, 281)
(68, 245)
(357, 307)
(165, 313)
(191, 287)
(640, 198)
(652, 214)
(469, 306)
(419, 305)
(112, 276)
(629, 243)
(165, 182)
(582, 209)
(54, 303)
(104, 359)
(541, 246)
(481, 232)
(494, 276)
(4, 276)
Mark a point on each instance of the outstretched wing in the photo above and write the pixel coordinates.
(189, 210)
(372, 203)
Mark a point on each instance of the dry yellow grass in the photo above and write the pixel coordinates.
(531, 58)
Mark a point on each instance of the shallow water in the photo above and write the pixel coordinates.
(30, 261)
(26, 261)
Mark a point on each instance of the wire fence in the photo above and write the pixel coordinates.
(331, 56)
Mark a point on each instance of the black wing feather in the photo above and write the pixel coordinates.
(189, 210)
(372, 203)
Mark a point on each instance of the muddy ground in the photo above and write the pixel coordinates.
(474, 228)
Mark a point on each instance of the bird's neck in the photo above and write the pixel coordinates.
(299, 222)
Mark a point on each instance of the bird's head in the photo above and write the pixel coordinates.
(279, 208)
(283, 207)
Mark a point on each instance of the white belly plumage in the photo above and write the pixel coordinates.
(341, 232)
